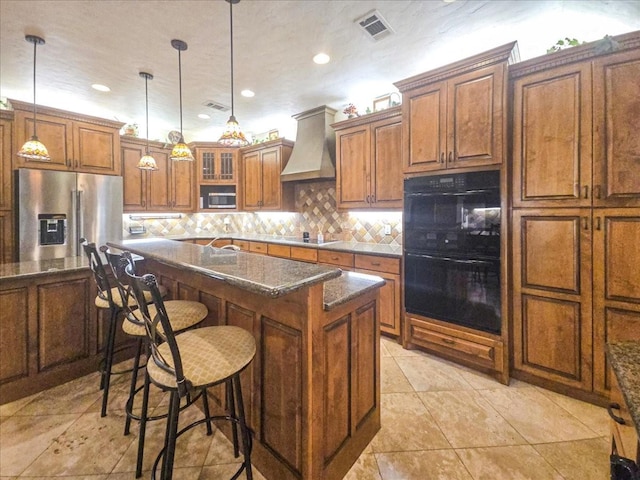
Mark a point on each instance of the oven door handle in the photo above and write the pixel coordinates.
(449, 259)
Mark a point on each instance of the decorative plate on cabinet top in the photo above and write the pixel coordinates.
(173, 136)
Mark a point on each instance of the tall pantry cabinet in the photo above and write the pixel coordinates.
(576, 212)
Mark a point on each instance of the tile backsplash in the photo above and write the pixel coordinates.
(315, 212)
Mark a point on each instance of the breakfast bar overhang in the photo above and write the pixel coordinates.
(312, 392)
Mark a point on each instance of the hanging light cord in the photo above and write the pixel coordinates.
(35, 46)
(180, 88)
(231, 31)
(146, 102)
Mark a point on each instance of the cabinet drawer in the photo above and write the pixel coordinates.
(341, 259)
(242, 244)
(304, 254)
(258, 247)
(456, 343)
(276, 250)
(379, 264)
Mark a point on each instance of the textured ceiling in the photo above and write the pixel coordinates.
(110, 41)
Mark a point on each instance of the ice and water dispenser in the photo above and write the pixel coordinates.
(52, 228)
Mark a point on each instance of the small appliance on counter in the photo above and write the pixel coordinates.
(56, 209)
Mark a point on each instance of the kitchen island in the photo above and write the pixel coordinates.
(313, 390)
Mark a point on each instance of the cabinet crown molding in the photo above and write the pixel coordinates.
(508, 52)
(25, 106)
(628, 41)
(368, 118)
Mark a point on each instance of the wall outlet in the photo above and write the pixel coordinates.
(387, 229)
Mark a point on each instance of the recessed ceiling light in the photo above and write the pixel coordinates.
(448, 1)
(100, 88)
(321, 58)
(204, 116)
(247, 93)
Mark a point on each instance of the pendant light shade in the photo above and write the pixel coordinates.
(181, 151)
(232, 135)
(34, 149)
(147, 162)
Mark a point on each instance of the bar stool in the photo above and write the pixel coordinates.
(187, 364)
(108, 298)
(184, 314)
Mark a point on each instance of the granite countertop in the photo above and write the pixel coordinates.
(269, 276)
(347, 286)
(352, 247)
(624, 358)
(19, 270)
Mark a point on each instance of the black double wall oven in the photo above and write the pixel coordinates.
(452, 248)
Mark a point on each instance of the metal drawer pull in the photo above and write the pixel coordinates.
(617, 419)
(448, 341)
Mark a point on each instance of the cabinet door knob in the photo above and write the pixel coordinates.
(450, 157)
(585, 223)
(586, 191)
(598, 226)
(373, 199)
(597, 191)
(441, 157)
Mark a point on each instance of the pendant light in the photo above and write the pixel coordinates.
(181, 151)
(34, 149)
(232, 135)
(147, 162)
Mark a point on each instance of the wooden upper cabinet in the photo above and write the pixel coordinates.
(616, 122)
(368, 167)
(6, 147)
(216, 165)
(170, 188)
(575, 119)
(261, 187)
(75, 142)
(455, 116)
(552, 154)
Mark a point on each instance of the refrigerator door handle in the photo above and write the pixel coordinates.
(80, 217)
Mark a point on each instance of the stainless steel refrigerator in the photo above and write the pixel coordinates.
(56, 209)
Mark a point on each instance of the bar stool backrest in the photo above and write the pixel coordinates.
(99, 273)
(158, 328)
(118, 264)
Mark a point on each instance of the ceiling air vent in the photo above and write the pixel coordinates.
(216, 106)
(375, 25)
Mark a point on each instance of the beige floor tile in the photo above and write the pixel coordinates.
(185, 473)
(191, 447)
(428, 374)
(220, 450)
(71, 397)
(427, 465)
(507, 463)
(9, 409)
(396, 350)
(392, 380)
(91, 446)
(579, 460)
(384, 352)
(365, 468)
(535, 416)
(468, 420)
(406, 425)
(217, 472)
(594, 417)
(72, 477)
(23, 439)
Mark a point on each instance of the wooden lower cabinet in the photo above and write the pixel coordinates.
(575, 288)
(390, 293)
(7, 254)
(312, 392)
(49, 334)
(624, 436)
(479, 350)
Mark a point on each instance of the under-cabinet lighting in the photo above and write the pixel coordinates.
(156, 216)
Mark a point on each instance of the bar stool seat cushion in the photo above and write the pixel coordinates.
(209, 355)
(102, 302)
(184, 314)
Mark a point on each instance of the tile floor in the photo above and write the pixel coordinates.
(439, 421)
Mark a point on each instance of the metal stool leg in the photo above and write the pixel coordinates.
(244, 430)
(143, 425)
(108, 361)
(231, 406)
(132, 387)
